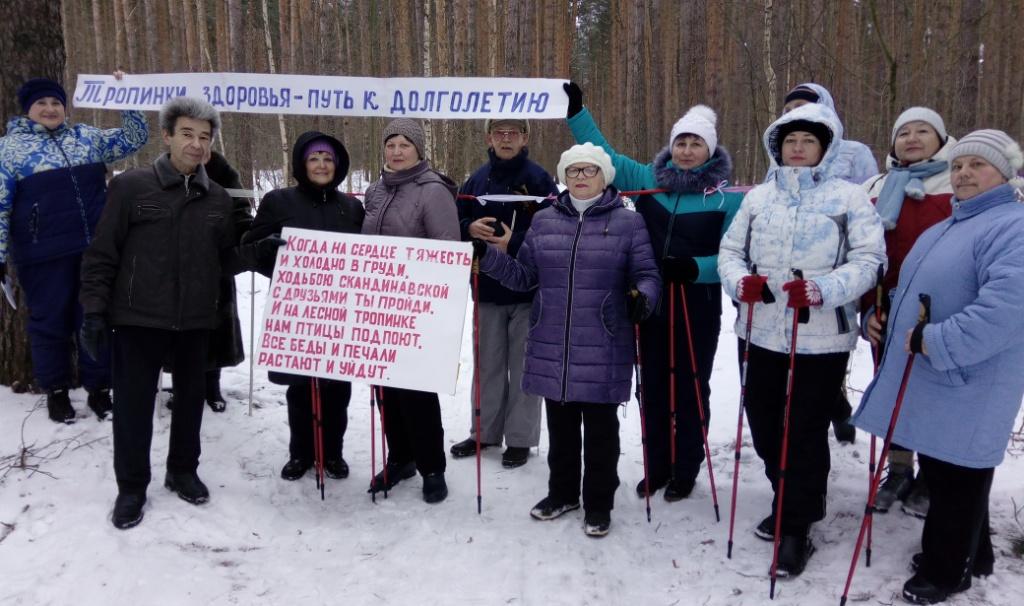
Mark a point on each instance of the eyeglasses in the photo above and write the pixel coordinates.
(587, 171)
(506, 134)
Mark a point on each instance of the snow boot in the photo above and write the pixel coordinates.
(794, 551)
(596, 524)
(58, 404)
(467, 448)
(896, 487)
(655, 485)
(396, 473)
(550, 508)
(214, 399)
(435, 489)
(515, 456)
(336, 469)
(919, 590)
(677, 490)
(845, 432)
(188, 486)
(100, 403)
(916, 503)
(127, 510)
(765, 529)
(295, 469)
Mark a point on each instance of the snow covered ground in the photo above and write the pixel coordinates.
(261, 540)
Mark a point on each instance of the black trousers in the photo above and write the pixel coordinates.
(600, 448)
(705, 308)
(412, 425)
(955, 539)
(137, 357)
(334, 397)
(816, 380)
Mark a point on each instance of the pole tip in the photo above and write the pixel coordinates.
(728, 551)
(718, 517)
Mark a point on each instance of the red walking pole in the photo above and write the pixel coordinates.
(700, 400)
(637, 368)
(739, 423)
(373, 443)
(672, 379)
(877, 358)
(318, 436)
(785, 446)
(383, 437)
(923, 317)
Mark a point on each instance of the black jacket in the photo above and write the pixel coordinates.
(308, 206)
(520, 175)
(161, 245)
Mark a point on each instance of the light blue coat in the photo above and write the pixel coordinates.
(963, 396)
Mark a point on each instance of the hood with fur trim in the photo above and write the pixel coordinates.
(812, 112)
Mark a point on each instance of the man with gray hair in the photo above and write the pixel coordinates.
(150, 285)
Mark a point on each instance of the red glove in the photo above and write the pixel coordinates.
(802, 293)
(751, 289)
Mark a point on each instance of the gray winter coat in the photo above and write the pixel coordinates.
(418, 202)
(580, 346)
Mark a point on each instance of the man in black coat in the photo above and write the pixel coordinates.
(505, 411)
(150, 283)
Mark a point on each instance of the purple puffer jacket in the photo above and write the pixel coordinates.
(580, 346)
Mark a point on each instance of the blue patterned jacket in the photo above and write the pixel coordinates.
(53, 186)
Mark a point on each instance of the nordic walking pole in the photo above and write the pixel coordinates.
(252, 333)
(637, 368)
(877, 358)
(318, 436)
(768, 298)
(373, 444)
(923, 317)
(383, 437)
(672, 380)
(785, 443)
(476, 379)
(700, 400)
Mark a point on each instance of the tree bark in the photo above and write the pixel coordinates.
(32, 46)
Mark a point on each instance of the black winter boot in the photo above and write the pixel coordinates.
(396, 473)
(214, 399)
(435, 489)
(794, 551)
(58, 404)
(919, 590)
(188, 486)
(336, 469)
(100, 403)
(127, 510)
(295, 469)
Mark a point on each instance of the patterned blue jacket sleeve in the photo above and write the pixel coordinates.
(6, 196)
(118, 143)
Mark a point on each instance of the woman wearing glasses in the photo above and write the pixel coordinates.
(591, 263)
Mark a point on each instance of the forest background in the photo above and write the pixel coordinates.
(641, 65)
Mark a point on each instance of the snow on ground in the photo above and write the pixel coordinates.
(261, 540)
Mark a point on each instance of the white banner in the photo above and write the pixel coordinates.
(459, 98)
(371, 309)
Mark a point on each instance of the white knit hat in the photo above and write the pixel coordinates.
(591, 154)
(995, 146)
(920, 114)
(700, 120)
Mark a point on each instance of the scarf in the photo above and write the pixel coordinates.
(902, 182)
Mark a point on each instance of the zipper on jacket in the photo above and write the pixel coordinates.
(568, 305)
(74, 183)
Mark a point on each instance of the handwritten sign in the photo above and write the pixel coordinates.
(459, 98)
(369, 309)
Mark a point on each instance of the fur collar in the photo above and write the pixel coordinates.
(709, 174)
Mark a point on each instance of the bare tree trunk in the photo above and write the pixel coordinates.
(24, 57)
(202, 36)
(769, 71)
(175, 33)
(270, 65)
(967, 81)
(152, 36)
(428, 138)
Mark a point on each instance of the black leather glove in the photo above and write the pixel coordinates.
(636, 306)
(266, 248)
(575, 94)
(679, 269)
(93, 334)
(479, 248)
